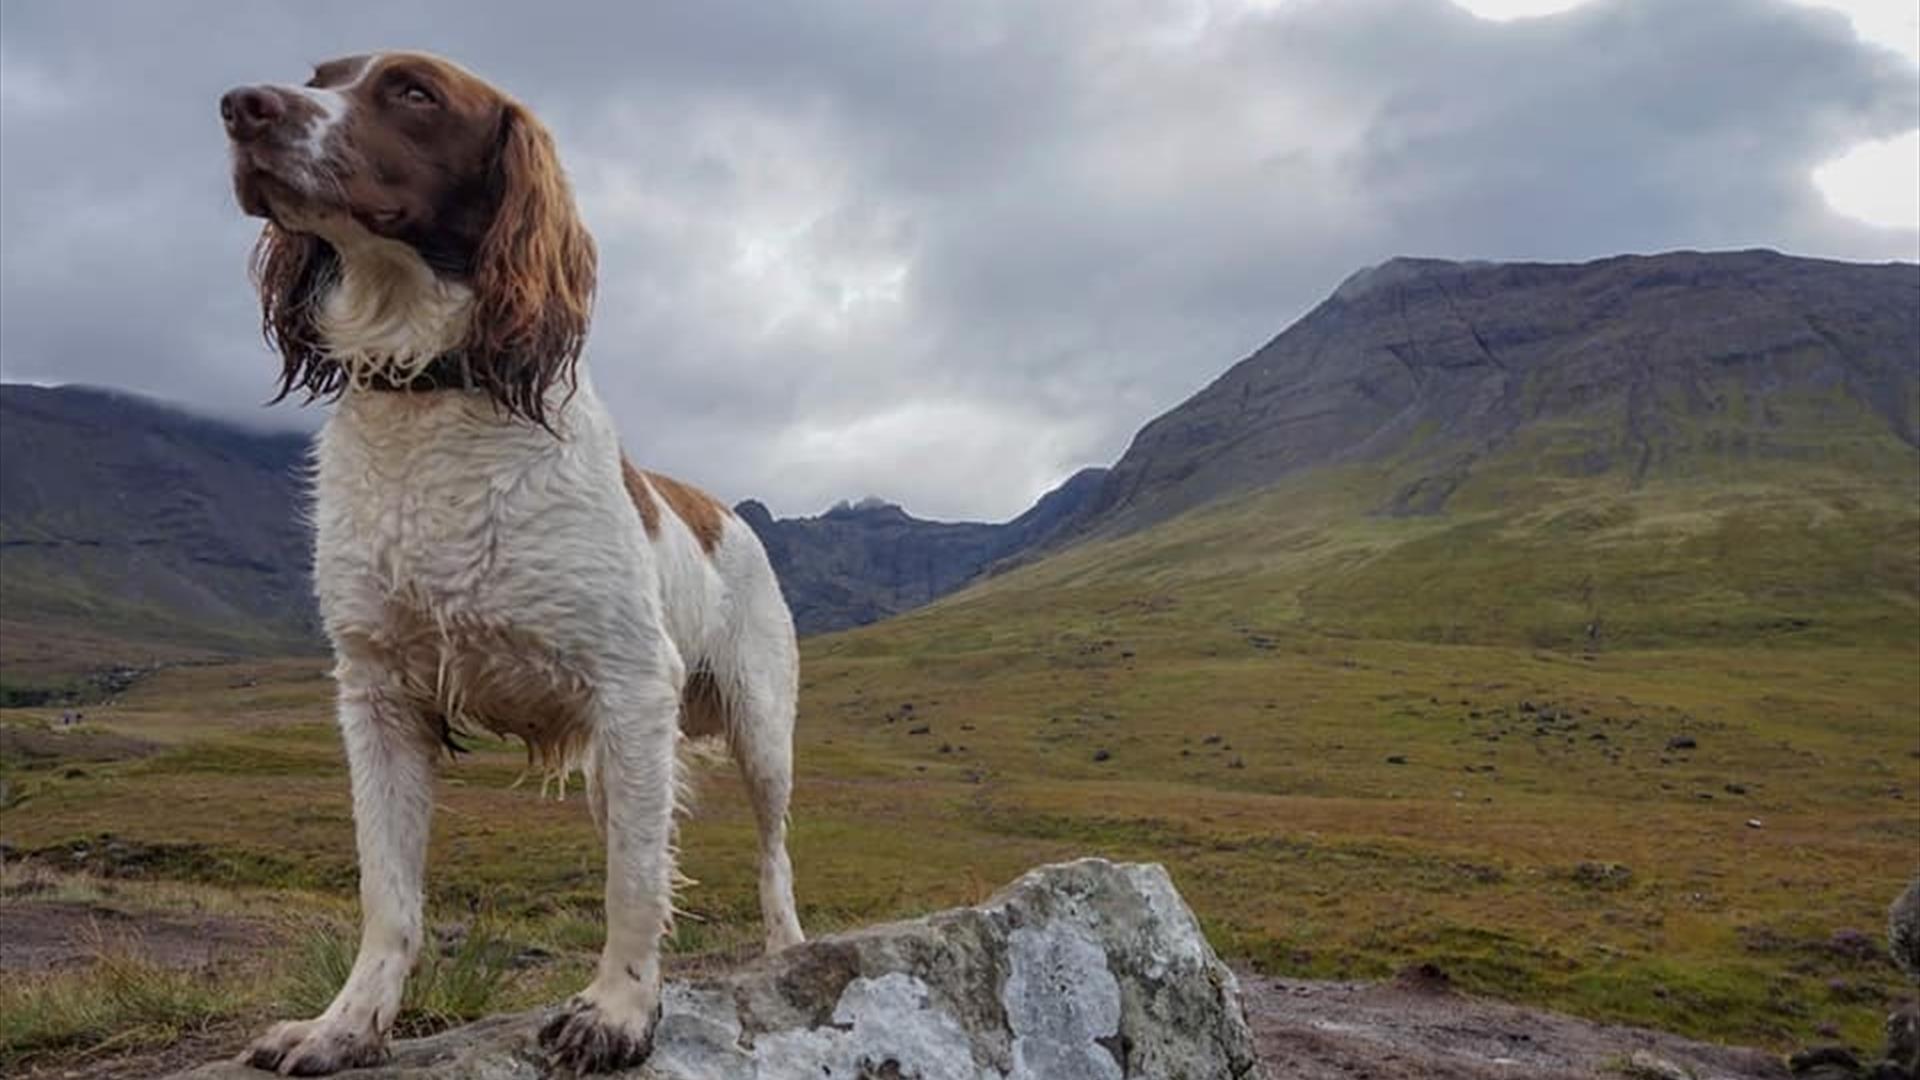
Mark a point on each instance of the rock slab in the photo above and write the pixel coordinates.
(1088, 970)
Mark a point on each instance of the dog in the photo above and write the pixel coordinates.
(484, 553)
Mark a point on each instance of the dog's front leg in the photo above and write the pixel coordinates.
(609, 1025)
(392, 760)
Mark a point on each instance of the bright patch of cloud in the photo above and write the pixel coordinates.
(1503, 10)
(1894, 24)
(1876, 182)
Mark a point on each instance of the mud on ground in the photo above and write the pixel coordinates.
(1416, 1029)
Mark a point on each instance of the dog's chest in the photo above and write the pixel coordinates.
(440, 531)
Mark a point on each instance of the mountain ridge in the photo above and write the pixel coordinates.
(1437, 387)
(1473, 340)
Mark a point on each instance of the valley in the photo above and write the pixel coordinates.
(1566, 643)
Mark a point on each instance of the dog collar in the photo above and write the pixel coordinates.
(448, 371)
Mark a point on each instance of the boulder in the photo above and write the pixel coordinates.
(1088, 969)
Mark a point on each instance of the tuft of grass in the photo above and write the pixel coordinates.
(122, 1002)
(450, 985)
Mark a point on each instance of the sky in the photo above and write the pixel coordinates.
(946, 254)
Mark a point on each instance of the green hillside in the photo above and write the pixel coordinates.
(1641, 743)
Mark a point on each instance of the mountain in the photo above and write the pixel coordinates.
(130, 530)
(1632, 366)
(1639, 451)
(861, 562)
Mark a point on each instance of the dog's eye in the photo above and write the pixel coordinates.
(415, 94)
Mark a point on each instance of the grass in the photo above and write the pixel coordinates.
(119, 1003)
(465, 981)
(1359, 742)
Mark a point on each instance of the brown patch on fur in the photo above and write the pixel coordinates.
(701, 512)
(435, 158)
(703, 711)
(292, 272)
(534, 275)
(642, 497)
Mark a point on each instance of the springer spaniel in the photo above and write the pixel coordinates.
(484, 553)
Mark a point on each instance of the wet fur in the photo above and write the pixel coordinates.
(485, 558)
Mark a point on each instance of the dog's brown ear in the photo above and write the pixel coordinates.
(533, 275)
(291, 271)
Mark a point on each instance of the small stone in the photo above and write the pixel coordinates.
(1102, 754)
(1646, 1066)
(1903, 930)
(1754, 823)
(1603, 875)
(1735, 789)
(1903, 1038)
(1824, 1063)
(1397, 759)
(1681, 742)
(919, 729)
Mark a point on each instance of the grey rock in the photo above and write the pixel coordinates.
(1081, 971)
(1825, 1063)
(1644, 1065)
(1903, 929)
(1903, 1039)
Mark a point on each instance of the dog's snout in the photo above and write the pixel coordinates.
(251, 111)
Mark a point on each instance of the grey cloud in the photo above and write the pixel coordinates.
(940, 253)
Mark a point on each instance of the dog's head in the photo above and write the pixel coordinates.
(409, 149)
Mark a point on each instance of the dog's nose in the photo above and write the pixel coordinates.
(250, 111)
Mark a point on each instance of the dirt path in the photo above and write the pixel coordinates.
(1386, 1031)
(42, 936)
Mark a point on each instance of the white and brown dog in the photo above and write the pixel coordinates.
(484, 554)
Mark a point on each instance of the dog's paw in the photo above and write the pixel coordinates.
(585, 1038)
(315, 1048)
(784, 938)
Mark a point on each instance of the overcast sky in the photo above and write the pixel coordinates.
(946, 253)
